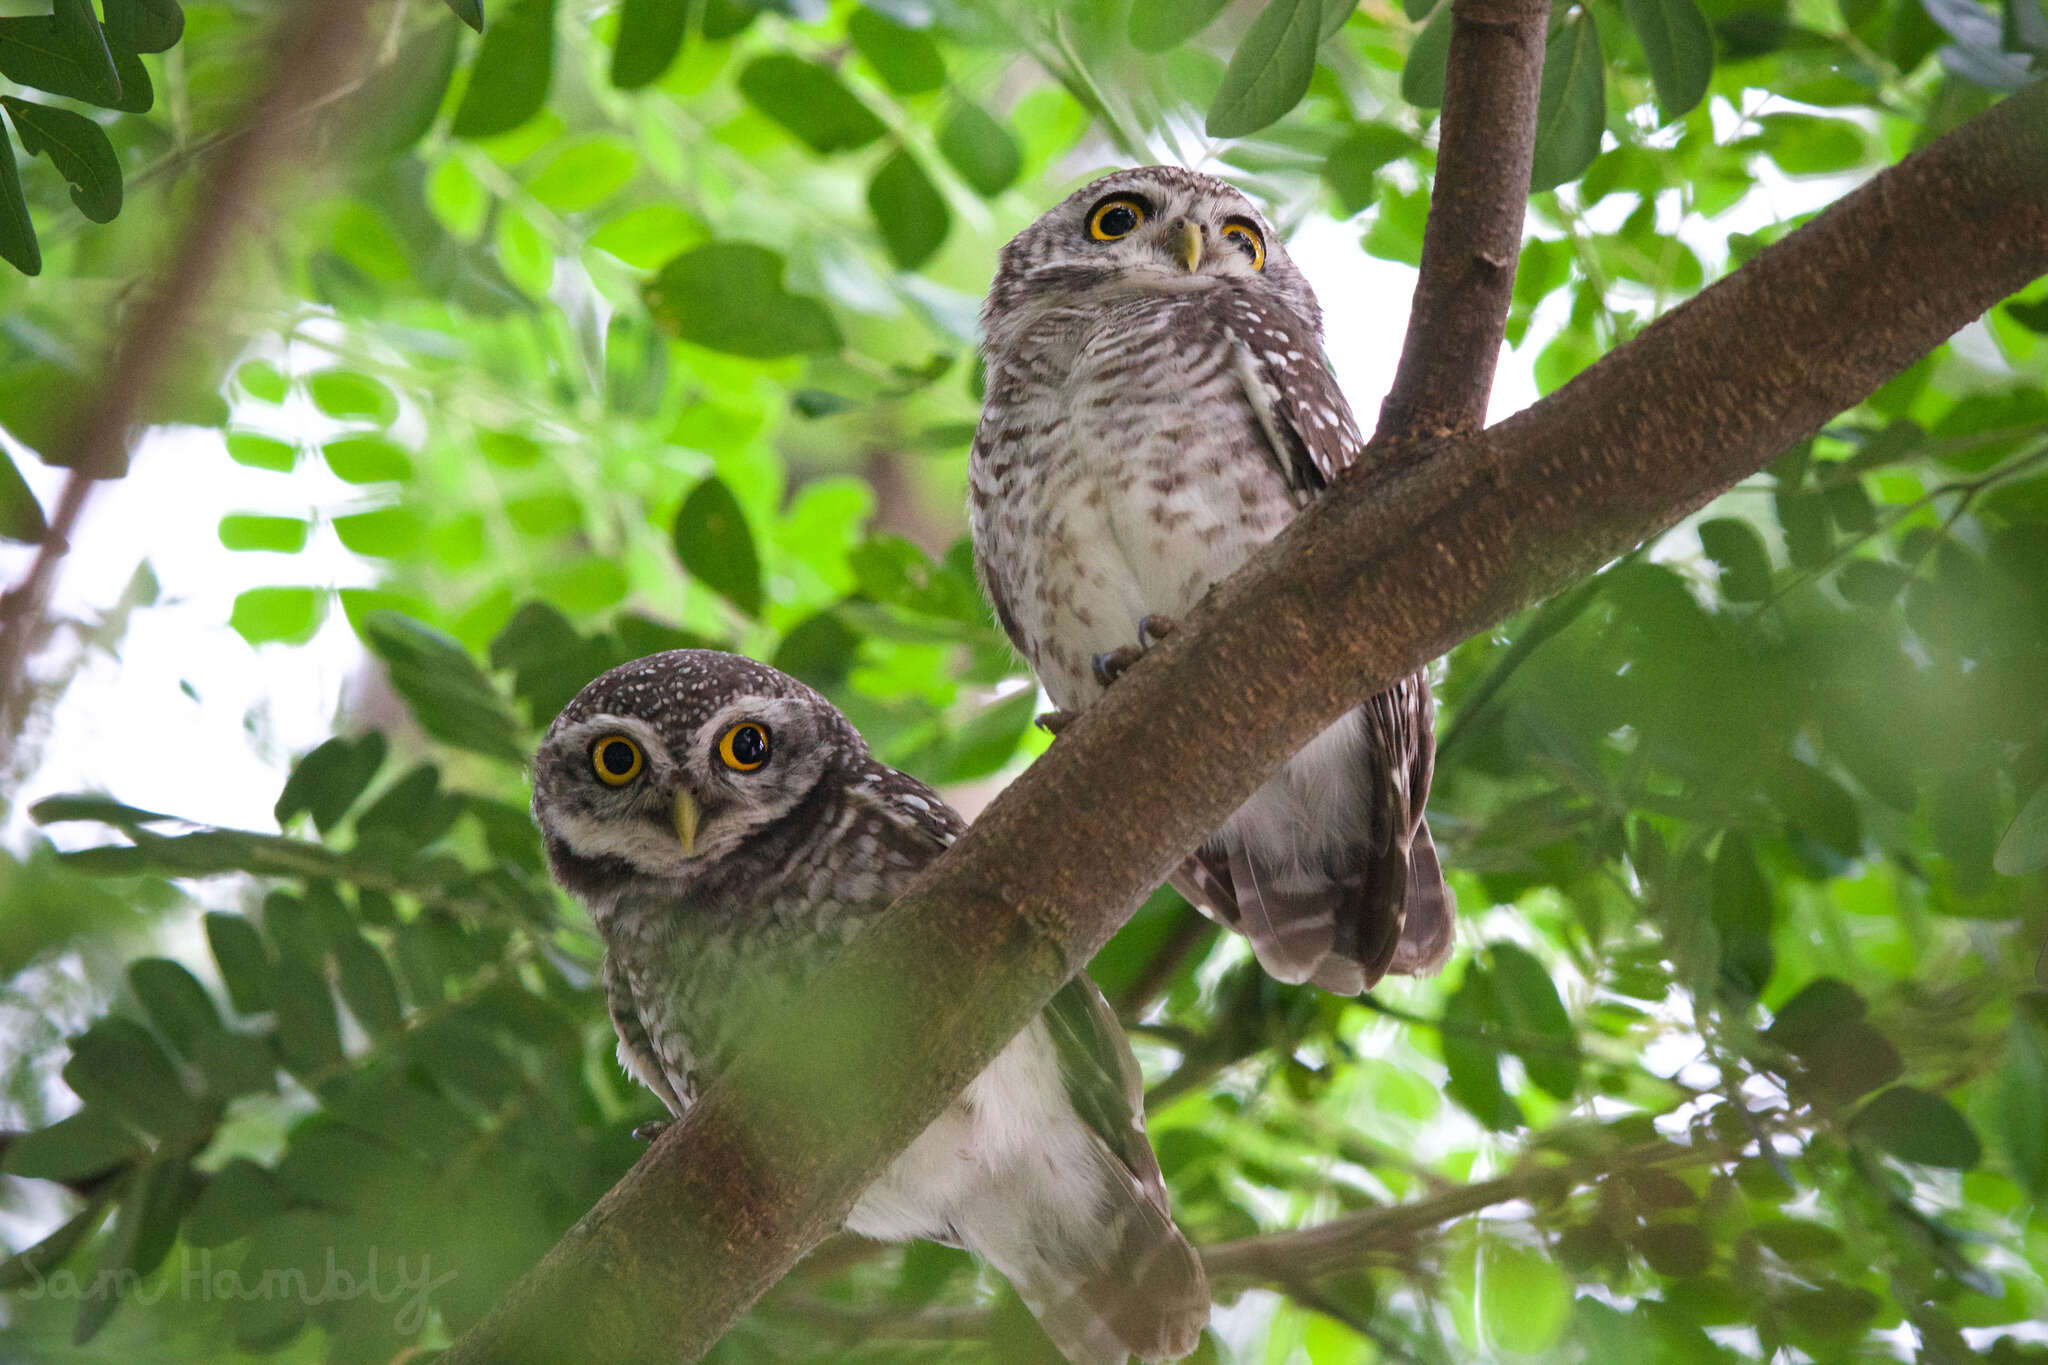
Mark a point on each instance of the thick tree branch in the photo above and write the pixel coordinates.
(1394, 566)
(1486, 139)
(319, 42)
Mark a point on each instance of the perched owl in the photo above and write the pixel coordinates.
(729, 832)
(1158, 408)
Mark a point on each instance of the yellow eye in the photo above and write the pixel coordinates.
(616, 760)
(1245, 238)
(1114, 218)
(745, 747)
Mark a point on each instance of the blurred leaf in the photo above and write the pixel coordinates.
(367, 986)
(78, 148)
(1524, 1300)
(1737, 548)
(279, 535)
(1423, 74)
(35, 51)
(1270, 70)
(118, 1068)
(144, 25)
(981, 150)
(448, 694)
(1475, 1066)
(1679, 48)
(810, 102)
(1352, 167)
(178, 1005)
(715, 544)
(329, 779)
(2022, 1103)
(1571, 111)
(238, 1198)
(508, 80)
(1156, 25)
(307, 1029)
(34, 1264)
(908, 209)
(17, 235)
(244, 966)
(1527, 1001)
(1916, 1126)
(2024, 848)
(21, 517)
(343, 394)
(366, 459)
(907, 59)
(87, 1144)
(650, 36)
(729, 296)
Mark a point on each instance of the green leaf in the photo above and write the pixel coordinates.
(584, 174)
(329, 779)
(412, 812)
(1916, 1126)
(1157, 25)
(508, 81)
(650, 36)
(1737, 548)
(387, 533)
(34, 1264)
(715, 544)
(1527, 1001)
(449, 695)
(1353, 165)
(144, 25)
(470, 12)
(1474, 1066)
(178, 1005)
(729, 297)
(343, 394)
(17, 235)
(267, 615)
(238, 1199)
(647, 236)
(367, 986)
(1422, 75)
(811, 102)
(1743, 913)
(1270, 71)
(279, 535)
(307, 1029)
(21, 517)
(2022, 1105)
(118, 1068)
(907, 60)
(366, 459)
(244, 965)
(1525, 1301)
(908, 209)
(1571, 109)
(78, 28)
(1679, 48)
(35, 52)
(262, 452)
(78, 148)
(981, 150)
(2024, 848)
(87, 1144)
(57, 810)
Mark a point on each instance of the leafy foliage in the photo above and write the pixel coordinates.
(650, 326)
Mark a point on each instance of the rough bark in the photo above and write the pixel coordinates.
(1394, 566)
(1486, 138)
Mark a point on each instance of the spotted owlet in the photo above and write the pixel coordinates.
(729, 831)
(1158, 407)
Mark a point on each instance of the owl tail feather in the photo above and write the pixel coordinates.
(1151, 1301)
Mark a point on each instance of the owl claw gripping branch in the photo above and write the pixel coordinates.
(729, 831)
(1158, 408)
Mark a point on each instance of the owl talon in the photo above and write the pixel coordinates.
(1153, 629)
(1110, 664)
(648, 1132)
(1052, 722)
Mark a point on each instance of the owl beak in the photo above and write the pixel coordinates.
(1186, 246)
(686, 815)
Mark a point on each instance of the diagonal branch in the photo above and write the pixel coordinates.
(1470, 529)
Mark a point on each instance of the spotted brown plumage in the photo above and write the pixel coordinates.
(745, 835)
(1157, 408)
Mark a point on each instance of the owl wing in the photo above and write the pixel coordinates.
(1310, 431)
(1102, 1079)
(636, 1050)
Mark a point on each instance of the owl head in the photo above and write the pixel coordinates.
(669, 766)
(1153, 229)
